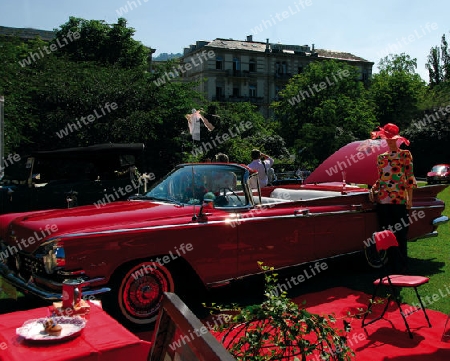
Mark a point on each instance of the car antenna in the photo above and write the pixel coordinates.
(194, 217)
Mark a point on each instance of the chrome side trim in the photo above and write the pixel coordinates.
(427, 207)
(126, 230)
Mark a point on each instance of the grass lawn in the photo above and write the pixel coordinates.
(431, 257)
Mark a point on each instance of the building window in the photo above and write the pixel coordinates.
(219, 90)
(300, 69)
(252, 91)
(219, 63)
(252, 65)
(235, 92)
(236, 64)
(280, 68)
(365, 76)
(277, 68)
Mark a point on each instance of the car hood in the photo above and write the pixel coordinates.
(40, 226)
(355, 162)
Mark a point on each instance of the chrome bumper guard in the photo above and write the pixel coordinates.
(440, 220)
(436, 222)
(31, 288)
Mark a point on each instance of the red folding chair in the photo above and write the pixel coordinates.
(383, 241)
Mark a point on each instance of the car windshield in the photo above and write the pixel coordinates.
(192, 184)
(439, 168)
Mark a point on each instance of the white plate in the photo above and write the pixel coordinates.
(33, 330)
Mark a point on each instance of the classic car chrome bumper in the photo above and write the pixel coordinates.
(32, 288)
(440, 220)
(436, 222)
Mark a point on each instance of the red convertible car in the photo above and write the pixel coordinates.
(202, 224)
(440, 173)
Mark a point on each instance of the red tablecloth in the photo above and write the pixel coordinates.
(103, 338)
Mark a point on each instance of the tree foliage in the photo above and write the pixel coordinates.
(98, 89)
(244, 129)
(430, 130)
(107, 44)
(323, 109)
(18, 90)
(428, 136)
(48, 101)
(438, 64)
(397, 90)
(49, 93)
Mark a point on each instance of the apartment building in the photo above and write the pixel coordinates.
(237, 71)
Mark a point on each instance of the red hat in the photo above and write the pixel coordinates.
(389, 131)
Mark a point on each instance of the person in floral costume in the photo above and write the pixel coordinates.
(394, 189)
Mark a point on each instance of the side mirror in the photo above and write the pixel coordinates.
(208, 203)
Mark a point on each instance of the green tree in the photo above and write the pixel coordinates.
(48, 99)
(97, 41)
(428, 136)
(434, 67)
(239, 128)
(323, 109)
(438, 64)
(125, 105)
(397, 90)
(18, 88)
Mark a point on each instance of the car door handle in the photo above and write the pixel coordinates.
(356, 207)
(302, 212)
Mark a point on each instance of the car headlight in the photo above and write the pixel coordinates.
(52, 254)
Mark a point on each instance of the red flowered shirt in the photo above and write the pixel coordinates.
(395, 176)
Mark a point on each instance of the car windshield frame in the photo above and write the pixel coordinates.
(226, 185)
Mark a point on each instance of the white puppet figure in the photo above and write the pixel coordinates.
(194, 123)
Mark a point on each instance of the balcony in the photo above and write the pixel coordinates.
(237, 99)
(282, 76)
(237, 73)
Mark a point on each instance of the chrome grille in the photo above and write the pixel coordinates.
(31, 265)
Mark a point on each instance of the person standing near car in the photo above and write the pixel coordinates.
(394, 189)
(261, 163)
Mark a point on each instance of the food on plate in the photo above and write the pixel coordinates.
(52, 328)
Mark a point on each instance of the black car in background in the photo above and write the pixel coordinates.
(65, 178)
(289, 174)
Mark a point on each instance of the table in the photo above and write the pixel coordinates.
(103, 339)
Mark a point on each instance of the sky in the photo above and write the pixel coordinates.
(368, 29)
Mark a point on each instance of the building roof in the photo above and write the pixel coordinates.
(323, 53)
(257, 46)
(27, 33)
